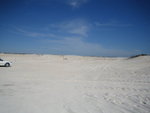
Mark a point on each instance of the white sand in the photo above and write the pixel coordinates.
(74, 84)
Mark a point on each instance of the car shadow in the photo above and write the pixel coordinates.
(5, 66)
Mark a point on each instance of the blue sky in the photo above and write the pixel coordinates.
(75, 27)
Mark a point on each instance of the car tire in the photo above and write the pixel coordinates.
(7, 65)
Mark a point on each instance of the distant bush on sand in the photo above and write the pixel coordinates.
(138, 55)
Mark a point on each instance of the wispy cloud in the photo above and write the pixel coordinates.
(78, 46)
(72, 3)
(112, 24)
(75, 27)
(76, 3)
(75, 43)
(34, 34)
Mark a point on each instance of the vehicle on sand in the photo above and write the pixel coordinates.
(5, 63)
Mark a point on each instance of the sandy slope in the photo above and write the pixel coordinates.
(74, 84)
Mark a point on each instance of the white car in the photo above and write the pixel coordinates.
(5, 63)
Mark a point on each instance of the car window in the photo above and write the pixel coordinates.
(1, 60)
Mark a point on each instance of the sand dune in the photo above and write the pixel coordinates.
(74, 84)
